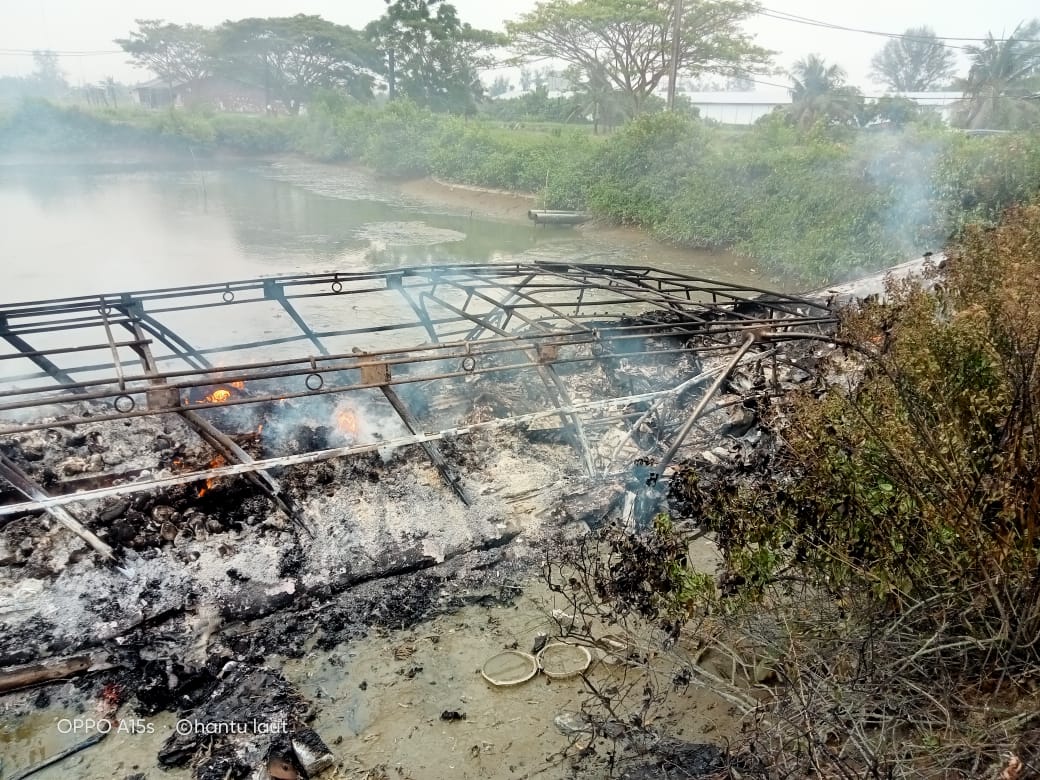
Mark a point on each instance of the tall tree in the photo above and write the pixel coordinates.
(431, 55)
(291, 57)
(595, 99)
(819, 93)
(173, 52)
(629, 42)
(111, 87)
(916, 62)
(49, 80)
(1003, 81)
(500, 86)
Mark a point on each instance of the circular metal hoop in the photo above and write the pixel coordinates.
(314, 381)
(228, 296)
(469, 363)
(337, 286)
(123, 403)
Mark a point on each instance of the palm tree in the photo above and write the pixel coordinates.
(595, 97)
(1004, 78)
(819, 92)
(111, 87)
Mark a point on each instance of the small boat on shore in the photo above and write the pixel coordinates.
(557, 217)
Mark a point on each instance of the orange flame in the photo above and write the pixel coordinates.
(347, 423)
(223, 393)
(217, 462)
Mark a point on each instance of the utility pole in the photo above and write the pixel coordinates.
(675, 55)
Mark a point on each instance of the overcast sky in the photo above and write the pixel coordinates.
(78, 25)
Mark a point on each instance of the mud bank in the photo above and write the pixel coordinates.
(639, 244)
(499, 204)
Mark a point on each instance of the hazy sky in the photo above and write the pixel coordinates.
(78, 25)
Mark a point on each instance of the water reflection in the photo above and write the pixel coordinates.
(86, 229)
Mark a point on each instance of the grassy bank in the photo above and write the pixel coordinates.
(822, 205)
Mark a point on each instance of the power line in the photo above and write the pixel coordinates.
(938, 39)
(31, 52)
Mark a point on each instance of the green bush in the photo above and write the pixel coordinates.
(252, 135)
(399, 139)
(886, 551)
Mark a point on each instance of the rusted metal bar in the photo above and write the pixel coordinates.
(429, 447)
(209, 433)
(383, 379)
(232, 453)
(34, 355)
(699, 409)
(273, 291)
(24, 484)
(557, 392)
(672, 393)
(318, 456)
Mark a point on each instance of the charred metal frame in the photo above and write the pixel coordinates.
(455, 322)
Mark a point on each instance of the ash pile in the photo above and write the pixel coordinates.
(340, 450)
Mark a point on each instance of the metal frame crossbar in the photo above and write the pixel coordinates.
(127, 355)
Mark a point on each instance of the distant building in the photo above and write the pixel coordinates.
(158, 93)
(737, 108)
(215, 92)
(746, 108)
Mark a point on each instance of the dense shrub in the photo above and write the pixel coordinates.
(252, 135)
(907, 508)
(398, 140)
(637, 171)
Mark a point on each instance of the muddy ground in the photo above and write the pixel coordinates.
(226, 612)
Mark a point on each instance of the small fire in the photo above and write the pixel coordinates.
(223, 393)
(347, 423)
(217, 462)
(219, 396)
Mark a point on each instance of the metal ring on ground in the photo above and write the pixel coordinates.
(337, 286)
(123, 403)
(469, 363)
(228, 296)
(314, 381)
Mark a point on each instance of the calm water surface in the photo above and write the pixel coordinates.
(74, 230)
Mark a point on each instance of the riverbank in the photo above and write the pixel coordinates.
(825, 205)
(642, 246)
(483, 201)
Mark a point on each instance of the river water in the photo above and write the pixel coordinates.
(84, 229)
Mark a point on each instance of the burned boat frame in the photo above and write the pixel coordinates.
(122, 356)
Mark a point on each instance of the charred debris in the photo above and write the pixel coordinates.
(341, 450)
